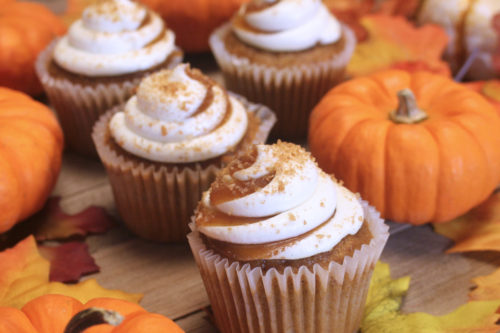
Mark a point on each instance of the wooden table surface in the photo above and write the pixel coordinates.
(168, 277)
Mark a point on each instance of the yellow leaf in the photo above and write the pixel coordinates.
(491, 89)
(382, 312)
(488, 287)
(24, 275)
(478, 230)
(393, 42)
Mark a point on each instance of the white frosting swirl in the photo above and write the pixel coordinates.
(114, 37)
(299, 199)
(164, 123)
(287, 26)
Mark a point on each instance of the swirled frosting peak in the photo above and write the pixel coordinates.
(114, 37)
(275, 203)
(286, 25)
(179, 116)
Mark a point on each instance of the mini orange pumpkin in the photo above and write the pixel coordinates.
(25, 30)
(31, 143)
(194, 20)
(419, 164)
(63, 314)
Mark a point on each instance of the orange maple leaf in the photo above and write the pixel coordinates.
(478, 230)
(394, 42)
(487, 287)
(24, 275)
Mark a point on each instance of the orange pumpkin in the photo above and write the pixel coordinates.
(31, 143)
(489, 89)
(25, 30)
(431, 159)
(58, 314)
(194, 20)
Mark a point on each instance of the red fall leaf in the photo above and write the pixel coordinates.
(54, 223)
(68, 261)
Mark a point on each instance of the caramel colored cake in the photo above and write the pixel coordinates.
(282, 247)
(100, 62)
(163, 148)
(285, 54)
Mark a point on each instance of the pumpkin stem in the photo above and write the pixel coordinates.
(91, 317)
(407, 111)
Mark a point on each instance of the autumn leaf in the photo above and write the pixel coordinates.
(68, 261)
(478, 230)
(487, 287)
(395, 42)
(382, 311)
(53, 223)
(24, 275)
(350, 12)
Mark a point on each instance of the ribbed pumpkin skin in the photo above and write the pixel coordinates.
(434, 170)
(194, 20)
(25, 30)
(51, 314)
(31, 143)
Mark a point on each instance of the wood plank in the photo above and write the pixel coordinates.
(100, 195)
(79, 174)
(165, 273)
(197, 322)
(439, 282)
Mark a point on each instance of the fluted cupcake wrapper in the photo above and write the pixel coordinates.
(312, 300)
(78, 106)
(156, 202)
(291, 92)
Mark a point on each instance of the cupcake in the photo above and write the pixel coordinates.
(283, 247)
(163, 147)
(285, 54)
(100, 62)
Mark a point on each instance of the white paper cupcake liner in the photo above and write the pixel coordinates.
(78, 106)
(291, 92)
(316, 300)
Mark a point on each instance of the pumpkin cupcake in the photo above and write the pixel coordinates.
(285, 54)
(99, 63)
(283, 247)
(163, 147)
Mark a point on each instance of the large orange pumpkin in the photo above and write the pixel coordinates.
(25, 30)
(439, 164)
(194, 20)
(489, 89)
(53, 313)
(31, 143)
